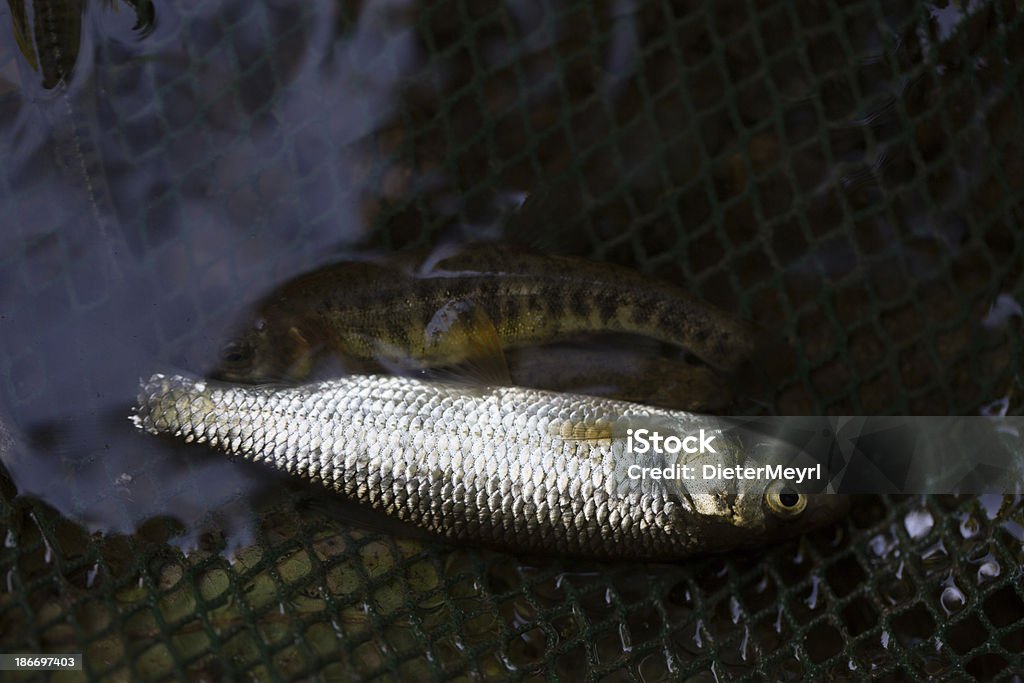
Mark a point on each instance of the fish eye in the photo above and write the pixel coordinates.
(785, 501)
(235, 353)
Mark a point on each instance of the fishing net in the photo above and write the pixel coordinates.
(849, 176)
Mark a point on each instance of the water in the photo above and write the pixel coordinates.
(855, 193)
(140, 264)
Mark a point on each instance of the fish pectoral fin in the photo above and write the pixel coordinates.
(301, 364)
(390, 358)
(462, 330)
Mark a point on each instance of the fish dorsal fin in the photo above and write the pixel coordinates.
(463, 324)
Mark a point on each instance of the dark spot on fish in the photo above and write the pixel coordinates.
(550, 307)
(531, 302)
(490, 289)
(512, 309)
(642, 315)
(607, 305)
(397, 331)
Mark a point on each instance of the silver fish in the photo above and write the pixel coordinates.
(509, 467)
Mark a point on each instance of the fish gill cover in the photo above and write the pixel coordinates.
(847, 177)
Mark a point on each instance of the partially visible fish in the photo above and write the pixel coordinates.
(49, 35)
(364, 311)
(520, 469)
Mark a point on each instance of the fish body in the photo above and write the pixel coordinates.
(520, 469)
(366, 311)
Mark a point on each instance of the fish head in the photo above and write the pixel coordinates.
(756, 514)
(777, 509)
(757, 511)
(722, 511)
(260, 354)
(240, 358)
(749, 513)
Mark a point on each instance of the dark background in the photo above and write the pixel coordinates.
(849, 176)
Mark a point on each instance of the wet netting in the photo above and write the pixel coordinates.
(849, 176)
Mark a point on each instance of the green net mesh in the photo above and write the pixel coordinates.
(849, 176)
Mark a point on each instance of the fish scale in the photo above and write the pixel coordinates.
(494, 466)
